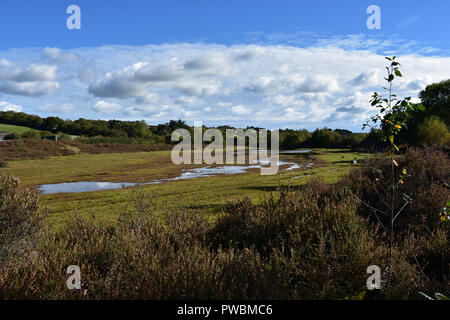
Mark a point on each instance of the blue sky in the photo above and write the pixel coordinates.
(269, 63)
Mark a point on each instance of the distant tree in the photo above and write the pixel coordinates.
(163, 129)
(290, 141)
(433, 131)
(436, 100)
(180, 124)
(52, 124)
(343, 132)
(326, 138)
(115, 133)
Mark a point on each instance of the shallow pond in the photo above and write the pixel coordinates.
(87, 186)
(74, 187)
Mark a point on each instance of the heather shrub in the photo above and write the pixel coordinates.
(313, 242)
(21, 217)
(31, 134)
(313, 234)
(426, 182)
(421, 238)
(12, 136)
(122, 262)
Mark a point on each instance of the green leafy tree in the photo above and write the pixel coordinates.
(436, 99)
(393, 114)
(433, 131)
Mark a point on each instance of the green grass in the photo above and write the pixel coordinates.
(14, 129)
(206, 195)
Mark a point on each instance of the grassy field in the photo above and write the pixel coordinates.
(206, 195)
(14, 129)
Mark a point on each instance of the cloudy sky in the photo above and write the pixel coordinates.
(274, 64)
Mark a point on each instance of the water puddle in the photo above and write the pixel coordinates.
(75, 187)
(304, 176)
(294, 151)
(85, 186)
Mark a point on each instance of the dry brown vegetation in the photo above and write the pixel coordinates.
(41, 148)
(312, 242)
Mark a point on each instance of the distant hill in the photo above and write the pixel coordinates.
(14, 129)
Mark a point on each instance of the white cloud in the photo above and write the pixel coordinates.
(199, 88)
(57, 55)
(188, 100)
(31, 80)
(33, 88)
(150, 98)
(57, 108)
(106, 107)
(34, 72)
(240, 110)
(321, 83)
(6, 106)
(328, 81)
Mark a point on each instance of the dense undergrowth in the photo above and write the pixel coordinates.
(40, 148)
(312, 242)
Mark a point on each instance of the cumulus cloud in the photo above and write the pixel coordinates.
(57, 108)
(188, 100)
(106, 107)
(322, 83)
(31, 80)
(150, 98)
(416, 85)
(163, 73)
(199, 88)
(240, 110)
(367, 79)
(272, 85)
(6, 106)
(33, 88)
(34, 72)
(117, 88)
(263, 84)
(56, 55)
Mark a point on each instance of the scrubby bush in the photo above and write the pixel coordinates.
(426, 182)
(420, 236)
(433, 131)
(21, 217)
(313, 242)
(312, 234)
(31, 135)
(12, 136)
